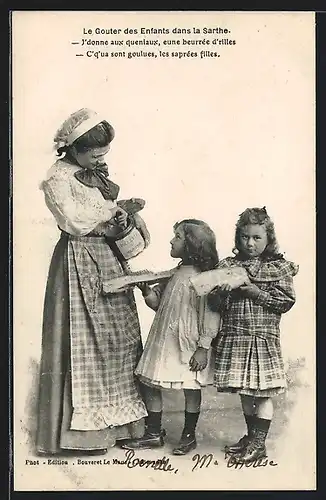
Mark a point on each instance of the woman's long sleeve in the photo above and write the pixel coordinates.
(78, 209)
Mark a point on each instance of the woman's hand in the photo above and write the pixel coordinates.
(251, 291)
(121, 218)
(198, 360)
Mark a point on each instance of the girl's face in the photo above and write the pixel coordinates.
(92, 158)
(178, 243)
(253, 240)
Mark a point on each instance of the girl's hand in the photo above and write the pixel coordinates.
(144, 288)
(222, 289)
(198, 360)
(250, 291)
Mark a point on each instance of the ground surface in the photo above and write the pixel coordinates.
(289, 445)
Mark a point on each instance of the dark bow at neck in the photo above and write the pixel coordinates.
(98, 178)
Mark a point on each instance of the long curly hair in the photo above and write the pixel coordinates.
(258, 216)
(200, 244)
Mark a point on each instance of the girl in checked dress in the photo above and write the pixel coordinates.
(248, 352)
(177, 354)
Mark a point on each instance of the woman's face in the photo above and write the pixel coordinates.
(253, 240)
(178, 244)
(92, 158)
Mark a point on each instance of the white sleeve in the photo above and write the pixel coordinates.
(209, 323)
(77, 211)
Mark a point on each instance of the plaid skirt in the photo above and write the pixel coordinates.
(249, 365)
(88, 393)
(104, 337)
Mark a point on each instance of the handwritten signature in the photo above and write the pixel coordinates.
(208, 460)
(201, 461)
(131, 461)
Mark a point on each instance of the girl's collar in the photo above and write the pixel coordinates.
(242, 258)
(184, 264)
(269, 270)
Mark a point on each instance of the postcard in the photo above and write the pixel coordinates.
(165, 145)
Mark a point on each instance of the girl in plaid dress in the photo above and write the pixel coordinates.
(248, 352)
(178, 354)
(91, 343)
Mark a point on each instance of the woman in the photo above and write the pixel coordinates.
(91, 343)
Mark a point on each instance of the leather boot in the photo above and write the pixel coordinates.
(238, 447)
(186, 444)
(149, 440)
(256, 448)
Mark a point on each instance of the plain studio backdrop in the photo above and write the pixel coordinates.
(201, 138)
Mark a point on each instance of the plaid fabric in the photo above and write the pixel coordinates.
(248, 363)
(248, 351)
(105, 340)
